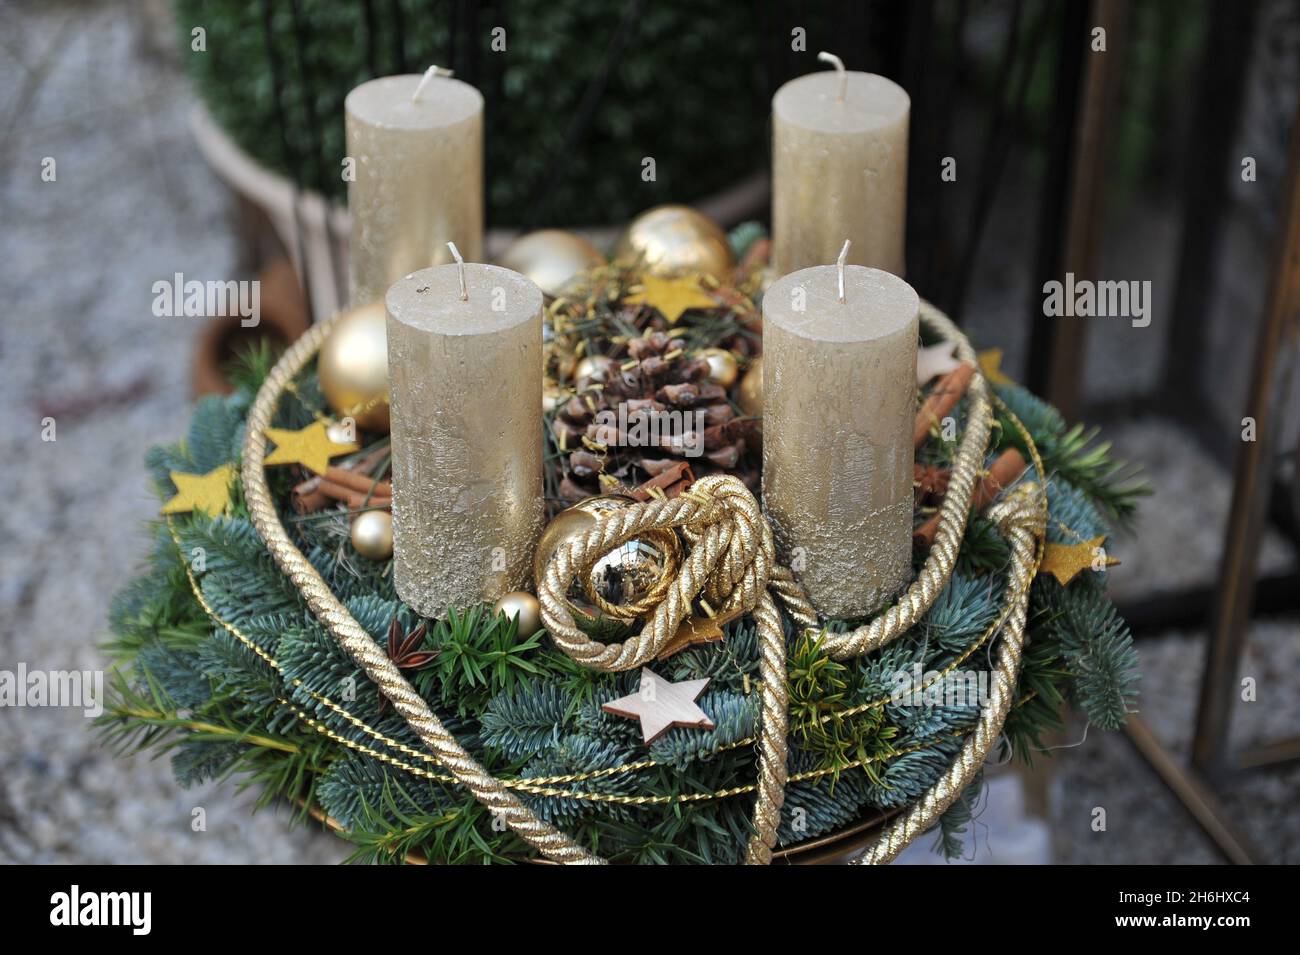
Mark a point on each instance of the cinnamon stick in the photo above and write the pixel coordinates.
(353, 499)
(941, 400)
(671, 480)
(341, 484)
(1008, 466)
(358, 482)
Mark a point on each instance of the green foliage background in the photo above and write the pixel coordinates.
(675, 94)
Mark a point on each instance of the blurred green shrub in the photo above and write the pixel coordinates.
(686, 90)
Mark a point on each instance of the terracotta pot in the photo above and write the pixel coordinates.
(283, 317)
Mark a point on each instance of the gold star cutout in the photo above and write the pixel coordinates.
(990, 360)
(693, 630)
(661, 705)
(935, 360)
(209, 492)
(671, 296)
(311, 446)
(1067, 561)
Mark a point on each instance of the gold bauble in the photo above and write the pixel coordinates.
(673, 241)
(628, 581)
(523, 606)
(634, 577)
(372, 535)
(353, 366)
(552, 397)
(749, 396)
(574, 522)
(552, 258)
(593, 367)
(723, 367)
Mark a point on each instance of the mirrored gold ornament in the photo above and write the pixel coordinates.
(673, 241)
(632, 579)
(353, 366)
(723, 367)
(523, 606)
(552, 258)
(749, 395)
(625, 583)
(372, 535)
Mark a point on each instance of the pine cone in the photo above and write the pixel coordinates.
(614, 440)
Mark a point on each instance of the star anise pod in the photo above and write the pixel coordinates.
(403, 650)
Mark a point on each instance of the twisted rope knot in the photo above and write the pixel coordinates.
(731, 558)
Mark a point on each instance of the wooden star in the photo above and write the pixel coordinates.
(209, 492)
(311, 446)
(1067, 561)
(990, 361)
(661, 705)
(671, 297)
(935, 360)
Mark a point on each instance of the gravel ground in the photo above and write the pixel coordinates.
(134, 203)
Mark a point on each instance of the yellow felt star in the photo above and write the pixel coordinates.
(1067, 561)
(990, 360)
(311, 446)
(671, 296)
(209, 492)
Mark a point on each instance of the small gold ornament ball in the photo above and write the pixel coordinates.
(552, 258)
(593, 368)
(750, 393)
(673, 241)
(552, 397)
(372, 535)
(353, 366)
(521, 604)
(723, 367)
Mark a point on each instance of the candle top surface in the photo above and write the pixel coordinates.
(386, 102)
(877, 304)
(430, 299)
(812, 102)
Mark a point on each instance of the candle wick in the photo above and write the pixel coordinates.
(835, 61)
(460, 262)
(839, 264)
(425, 80)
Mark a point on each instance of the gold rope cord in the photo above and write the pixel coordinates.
(544, 785)
(1021, 516)
(353, 637)
(732, 566)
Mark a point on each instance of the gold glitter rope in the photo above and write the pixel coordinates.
(731, 567)
(535, 785)
(731, 558)
(354, 639)
(1021, 516)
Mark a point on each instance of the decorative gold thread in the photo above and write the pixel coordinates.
(732, 565)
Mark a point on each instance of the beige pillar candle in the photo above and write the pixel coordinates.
(416, 144)
(465, 373)
(839, 393)
(839, 169)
